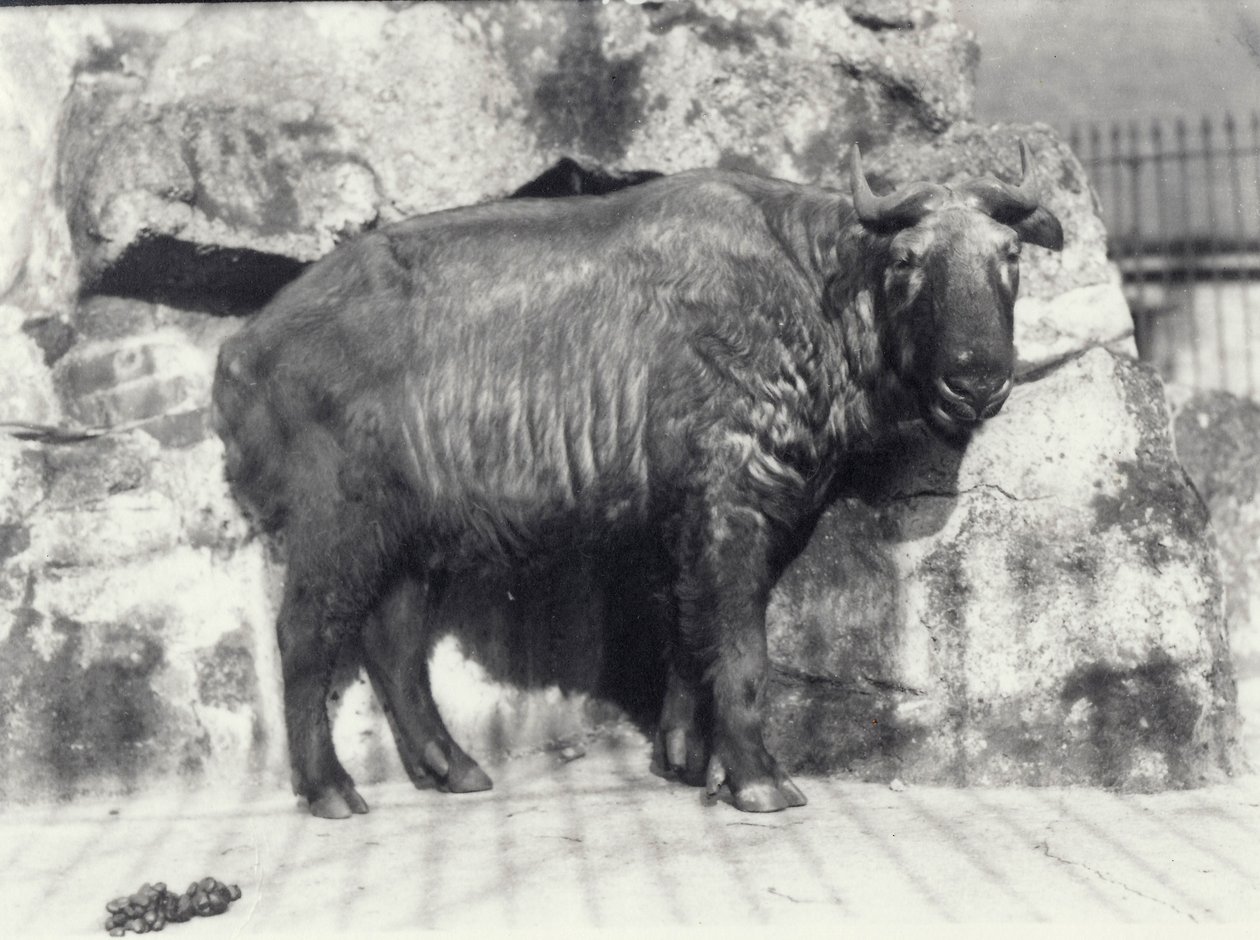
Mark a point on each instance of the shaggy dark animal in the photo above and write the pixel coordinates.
(687, 360)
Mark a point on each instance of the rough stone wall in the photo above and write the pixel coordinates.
(1029, 611)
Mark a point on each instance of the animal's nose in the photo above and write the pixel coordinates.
(973, 396)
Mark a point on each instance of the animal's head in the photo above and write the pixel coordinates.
(948, 273)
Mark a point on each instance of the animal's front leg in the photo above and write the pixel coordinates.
(723, 588)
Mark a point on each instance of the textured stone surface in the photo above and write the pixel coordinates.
(1218, 440)
(185, 187)
(238, 153)
(1043, 608)
(119, 381)
(249, 182)
(26, 388)
(44, 53)
(135, 621)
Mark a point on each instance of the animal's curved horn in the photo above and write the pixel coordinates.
(1003, 201)
(899, 209)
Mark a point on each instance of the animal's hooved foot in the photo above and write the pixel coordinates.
(759, 795)
(338, 803)
(680, 753)
(468, 778)
(455, 771)
(765, 796)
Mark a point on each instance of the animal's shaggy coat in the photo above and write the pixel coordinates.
(687, 358)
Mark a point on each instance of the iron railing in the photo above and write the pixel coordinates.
(1181, 201)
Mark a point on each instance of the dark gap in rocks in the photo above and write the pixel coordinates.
(237, 281)
(568, 177)
(881, 16)
(200, 278)
(879, 24)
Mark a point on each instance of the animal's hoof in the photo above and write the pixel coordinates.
(792, 792)
(338, 803)
(760, 798)
(468, 778)
(757, 795)
(680, 754)
(766, 797)
(420, 779)
(455, 771)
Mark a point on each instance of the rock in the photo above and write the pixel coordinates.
(35, 74)
(26, 387)
(1048, 330)
(126, 560)
(125, 362)
(1044, 608)
(184, 188)
(44, 52)
(257, 190)
(1218, 441)
(114, 382)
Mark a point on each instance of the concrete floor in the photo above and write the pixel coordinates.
(600, 841)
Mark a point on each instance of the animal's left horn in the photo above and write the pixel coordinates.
(1004, 201)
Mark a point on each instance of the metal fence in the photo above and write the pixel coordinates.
(1181, 201)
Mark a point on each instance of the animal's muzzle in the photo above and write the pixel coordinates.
(968, 398)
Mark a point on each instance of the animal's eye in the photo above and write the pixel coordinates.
(1012, 253)
(904, 263)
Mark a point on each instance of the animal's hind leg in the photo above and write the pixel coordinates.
(396, 651)
(309, 641)
(339, 554)
(680, 740)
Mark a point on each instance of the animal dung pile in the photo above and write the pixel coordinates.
(153, 906)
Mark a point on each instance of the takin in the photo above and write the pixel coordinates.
(688, 360)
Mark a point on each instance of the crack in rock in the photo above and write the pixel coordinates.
(954, 494)
(1044, 846)
(812, 678)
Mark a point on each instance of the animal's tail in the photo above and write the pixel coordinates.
(243, 415)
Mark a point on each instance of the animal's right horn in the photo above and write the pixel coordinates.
(899, 209)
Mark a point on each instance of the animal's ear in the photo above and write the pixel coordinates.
(1040, 227)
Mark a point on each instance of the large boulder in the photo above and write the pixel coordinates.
(239, 155)
(1043, 607)
(983, 617)
(238, 145)
(1218, 440)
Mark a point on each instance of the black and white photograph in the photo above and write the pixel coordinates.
(609, 466)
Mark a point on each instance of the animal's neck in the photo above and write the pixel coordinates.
(868, 391)
(844, 263)
(806, 220)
